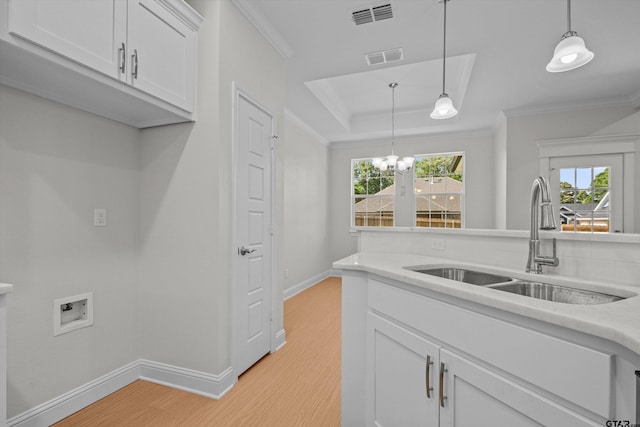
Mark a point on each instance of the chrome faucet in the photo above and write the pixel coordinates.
(540, 190)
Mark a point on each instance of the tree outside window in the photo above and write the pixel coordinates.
(373, 194)
(439, 190)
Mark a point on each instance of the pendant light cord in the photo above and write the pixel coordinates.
(568, 16)
(393, 114)
(444, 47)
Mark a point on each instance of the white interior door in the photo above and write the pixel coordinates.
(253, 233)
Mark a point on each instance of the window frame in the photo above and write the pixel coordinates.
(404, 202)
(616, 198)
(462, 193)
(353, 197)
(624, 145)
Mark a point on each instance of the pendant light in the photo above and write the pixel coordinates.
(444, 108)
(571, 52)
(393, 162)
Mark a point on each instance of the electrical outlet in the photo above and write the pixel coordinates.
(438, 244)
(100, 217)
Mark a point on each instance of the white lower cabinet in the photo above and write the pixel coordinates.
(402, 387)
(422, 359)
(413, 382)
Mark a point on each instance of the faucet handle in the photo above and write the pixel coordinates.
(554, 258)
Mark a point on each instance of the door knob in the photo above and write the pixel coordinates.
(244, 251)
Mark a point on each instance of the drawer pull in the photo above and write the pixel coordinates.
(428, 378)
(122, 57)
(443, 370)
(134, 64)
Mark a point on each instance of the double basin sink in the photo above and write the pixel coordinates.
(539, 290)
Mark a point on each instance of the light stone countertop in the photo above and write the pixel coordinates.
(5, 288)
(618, 321)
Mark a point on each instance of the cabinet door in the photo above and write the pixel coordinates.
(476, 396)
(398, 376)
(88, 32)
(162, 51)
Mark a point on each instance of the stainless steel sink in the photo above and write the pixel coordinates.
(556, 293)
(463, 275)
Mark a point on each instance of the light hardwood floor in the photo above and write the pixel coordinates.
(299, 385)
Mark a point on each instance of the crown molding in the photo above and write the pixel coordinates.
(304, 126)
(471, 134)
(624, 101)
(265, 28)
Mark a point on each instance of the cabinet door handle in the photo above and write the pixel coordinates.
(428, 378)
(443, 369)
(134, 64)
(122, 57)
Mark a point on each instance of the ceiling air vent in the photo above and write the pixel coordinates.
(382, 12)
(372, 14)
(391, 55)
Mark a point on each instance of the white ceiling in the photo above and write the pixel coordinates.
(497, 51)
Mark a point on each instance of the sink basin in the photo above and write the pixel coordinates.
(464, 275)
(556, 293)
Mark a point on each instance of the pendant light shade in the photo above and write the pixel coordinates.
(444, 108)
(571, 52)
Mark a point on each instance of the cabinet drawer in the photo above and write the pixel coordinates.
(576, 373)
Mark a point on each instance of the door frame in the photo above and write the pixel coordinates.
(237, 94)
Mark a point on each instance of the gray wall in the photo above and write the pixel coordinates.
(186, 251)
(306, 203)
(56, 165)
(523, 133)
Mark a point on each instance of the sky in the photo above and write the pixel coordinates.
(580, 175)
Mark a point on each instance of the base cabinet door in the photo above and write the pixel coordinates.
(401, 377)
(477, 396)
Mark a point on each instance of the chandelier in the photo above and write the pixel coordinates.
(392, 162)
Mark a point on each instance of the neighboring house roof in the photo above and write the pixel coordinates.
(442, 194)
(570, 210)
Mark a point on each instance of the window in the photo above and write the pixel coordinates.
(582, 163)
(588, 193)
(372, 194)
(439, 190)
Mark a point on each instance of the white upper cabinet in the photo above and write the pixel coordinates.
(162, 50)
(129, 60)
(92, 33)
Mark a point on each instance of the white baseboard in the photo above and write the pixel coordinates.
(64, 405)
(296, 289)
(213, 386)
(280, 340)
